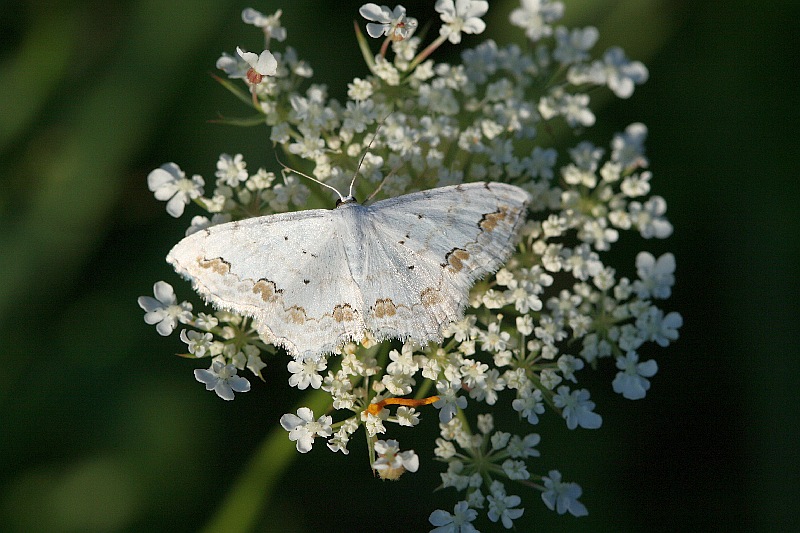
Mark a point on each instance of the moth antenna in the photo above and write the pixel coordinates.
(386, 177)
(366, 151)
(361, 161)
(315, 180)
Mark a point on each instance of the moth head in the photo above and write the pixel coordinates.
(349, 199)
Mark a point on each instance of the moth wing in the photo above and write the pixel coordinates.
(438, 243)
(287, 271)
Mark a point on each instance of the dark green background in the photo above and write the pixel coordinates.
(103, 429)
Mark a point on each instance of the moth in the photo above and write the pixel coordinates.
(397, 268)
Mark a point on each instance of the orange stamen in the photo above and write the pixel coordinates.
(377, 407)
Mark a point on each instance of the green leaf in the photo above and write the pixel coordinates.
(255, 120)
(250, 494)
(237, 91)
(363, 44)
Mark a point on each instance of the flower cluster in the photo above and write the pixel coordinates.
(412, 123)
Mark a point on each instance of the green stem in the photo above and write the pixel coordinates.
(245, 502)
(422, 56)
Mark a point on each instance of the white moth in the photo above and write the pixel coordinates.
(399, 268)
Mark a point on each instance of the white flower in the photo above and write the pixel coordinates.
(549, 378)
(529, 404)
(493, 299)
(260, 180)
(636, 185)
(499, 439)
(582, 261)
(291, 190)
(306, 373)
(254, 362)
(339, 387)
(235, 67)
(391, 462)
(309, 147)
(453, 477)
(541, 162)
(503, 358)
(206, 322)
(515, 469)
(461, 16)
(573, 46)
(386, 71)
(311, 110)
(222, 379)
(524, 447)
(261, 65)
(622, 75)
(550, 330)
(164, 310)
(486, 391)
(627, 148)
(649, 218)
(632, 382)
(525, 324)
(270, 24)
(656, 278)
(501, 507)
(473, 373)
(486, 424)
(200, 222)
(338, 443)
(562, 497)
(359, 90)
(517, 379)
(199, 344)
(170, 184)
(576, 408)
(407, 416)
(573, 107)
(453, 430)
(231, 171)
(535, 16)
(628, 337)
(444, 449)
(402, 362)
(398, 384)
(525, 297)
(303, 428)
(493, 339)
(392, 23)
(374, 424)
(656, 327)
(458, 522)
(449, 401)
(405, 51)
(295, 65)
(568, 365)
(596, 232)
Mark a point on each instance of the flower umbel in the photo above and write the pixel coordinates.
(559, 308)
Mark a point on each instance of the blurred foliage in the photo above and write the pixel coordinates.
(104, 430)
